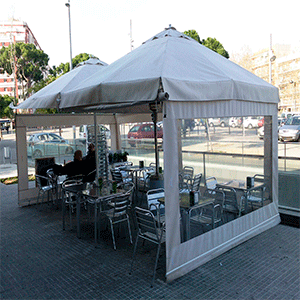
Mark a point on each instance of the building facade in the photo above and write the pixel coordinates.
(13, 31)
(283, 72)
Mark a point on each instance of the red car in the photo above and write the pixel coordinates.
(143, 131)
(261, 122)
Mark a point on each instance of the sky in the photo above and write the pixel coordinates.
(102, 28)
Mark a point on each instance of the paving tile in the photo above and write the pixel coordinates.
(41, 261)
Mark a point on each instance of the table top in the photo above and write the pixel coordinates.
(184, 199)
(238, 184)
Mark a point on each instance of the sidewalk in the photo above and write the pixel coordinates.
(41, 261)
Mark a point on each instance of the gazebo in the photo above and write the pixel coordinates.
(180, 79)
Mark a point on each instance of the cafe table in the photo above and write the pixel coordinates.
(240, 185)
(100, 198)
(91, 193)
(185, 207)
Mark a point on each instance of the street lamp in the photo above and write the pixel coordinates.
(272, 58)
(68, 6)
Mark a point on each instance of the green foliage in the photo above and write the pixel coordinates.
(30, 62)
(210, 43)
(193, 34)
(216, 46)
(5, 110)
(64, 68)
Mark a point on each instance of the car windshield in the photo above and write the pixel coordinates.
(293, 121)
(134, 129)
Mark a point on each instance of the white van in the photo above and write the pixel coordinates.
(83, 131)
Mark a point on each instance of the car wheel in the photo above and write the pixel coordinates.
(211, 124)
(69, 150)
(233, 125)
(222, 124)
(250, 126)
(37, 154)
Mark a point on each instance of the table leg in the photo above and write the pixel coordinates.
(78, 198)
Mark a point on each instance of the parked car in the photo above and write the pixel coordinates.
(218, 122)
(235, 122)
(47, 144)
(251, 122)
(85, 129)
(143, 131)
(260, 131)
(290, 131)
(261, 122)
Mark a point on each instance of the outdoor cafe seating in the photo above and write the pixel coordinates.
(148, 230)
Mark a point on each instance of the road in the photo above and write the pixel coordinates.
(222, 140)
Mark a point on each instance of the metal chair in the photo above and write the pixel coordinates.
(143, 178)
(211, 183)
(149, 231)
(45, 187)
(71, 189)
(256, 196)
(194, 184)
(120, 176)
(156, 207)
(231, 204)
(208, 216)
(185, 175)
(118, 213)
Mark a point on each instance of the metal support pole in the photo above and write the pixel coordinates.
(68, 6)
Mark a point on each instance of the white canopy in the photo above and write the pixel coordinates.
(174, 63)
(49, 95)
(200, 83)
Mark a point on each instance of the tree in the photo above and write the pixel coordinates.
(193, 34)
(216, 46)
(210, 43)
(5, 110)
(64, 68)
(30, 63)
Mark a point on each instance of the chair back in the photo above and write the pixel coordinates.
(153, 196)
(116, 175)
(42, 181)
(146, 223)
(211, 183)
(73, 185)
(120, 205)
(259, 178)
(196, 182)
(188, 172)
(52, 176)
(230, 203)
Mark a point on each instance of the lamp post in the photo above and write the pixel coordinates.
(68, 6)
(272, 58)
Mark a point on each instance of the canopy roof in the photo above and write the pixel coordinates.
(174, 63)
(169, 62)
(47, 97)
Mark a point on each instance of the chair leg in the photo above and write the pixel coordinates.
(129, 230)
(156, 261)
(134, 252)
(113, 234)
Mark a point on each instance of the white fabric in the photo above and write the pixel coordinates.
(200, 83)
(185, 69)
(47, 97)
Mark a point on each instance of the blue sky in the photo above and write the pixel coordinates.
(102, 28)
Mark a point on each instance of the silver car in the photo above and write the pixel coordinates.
(47, 144)
(291, 130)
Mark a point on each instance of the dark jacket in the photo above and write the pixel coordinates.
(89, 164)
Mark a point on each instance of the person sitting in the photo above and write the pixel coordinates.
(89, 162)
(71, 169)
